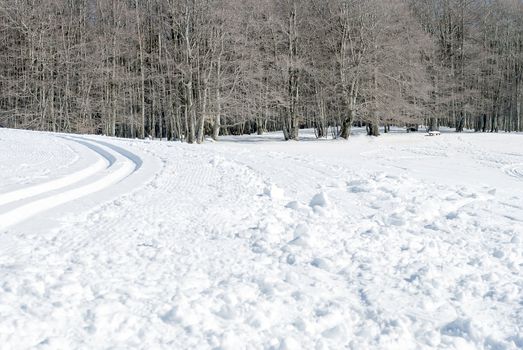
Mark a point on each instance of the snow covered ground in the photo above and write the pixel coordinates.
(397, 242)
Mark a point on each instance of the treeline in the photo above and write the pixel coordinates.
(187, 69)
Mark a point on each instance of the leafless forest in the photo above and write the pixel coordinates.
(187, 69)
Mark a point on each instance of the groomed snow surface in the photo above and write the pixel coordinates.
(397, 242)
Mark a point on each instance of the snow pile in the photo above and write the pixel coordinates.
(274, 192)
(319, 200)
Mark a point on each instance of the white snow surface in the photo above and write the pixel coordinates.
(397, 242)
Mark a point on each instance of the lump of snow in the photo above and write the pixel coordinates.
(230, 340)
(293, 205)
(494, 344)
(301, 241)
(320, 264)
(301, 236)
(290, 344)
(359, 186)
(458, 328)
(396, 219)
(172, 316)
(274, 192)
(226, 312)
(498, 253)
(319, 200)
(337, 333)
(301, 229)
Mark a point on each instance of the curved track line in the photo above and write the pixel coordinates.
(104, 162)
(133, 157)
(122, 169)
(514, 170)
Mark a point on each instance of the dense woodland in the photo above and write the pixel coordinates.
(188, 69)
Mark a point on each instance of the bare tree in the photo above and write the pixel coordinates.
(192, 68)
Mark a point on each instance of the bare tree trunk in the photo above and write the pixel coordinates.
(433, 124)
(142, 71)
(218, 114)
(346, 124)
(292, 124)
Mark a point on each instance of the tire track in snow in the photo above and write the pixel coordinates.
(121, 164)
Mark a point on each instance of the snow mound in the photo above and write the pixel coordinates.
(319, 200)
(274, 192)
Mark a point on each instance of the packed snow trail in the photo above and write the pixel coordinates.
(119, 164)
(371, 244)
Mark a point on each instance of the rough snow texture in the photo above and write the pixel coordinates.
(399, 242)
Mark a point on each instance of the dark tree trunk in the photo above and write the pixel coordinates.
(374, 129)
(433, 124)
(461, 123)
(346, 125)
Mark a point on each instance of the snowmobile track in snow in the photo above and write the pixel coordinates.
(114, 165)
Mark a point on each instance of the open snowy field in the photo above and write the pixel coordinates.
(397, 242)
